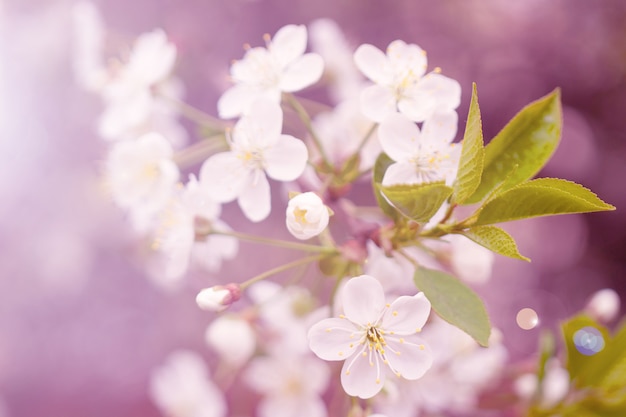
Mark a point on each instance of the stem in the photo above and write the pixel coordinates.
(366, 138)
(276, 242)
(306, 120)
(196, 115)
(408, 257)
(200, 151)
(280, 269)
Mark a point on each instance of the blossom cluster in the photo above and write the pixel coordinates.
(285, 341)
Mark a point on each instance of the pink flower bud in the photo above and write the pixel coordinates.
(219, 297)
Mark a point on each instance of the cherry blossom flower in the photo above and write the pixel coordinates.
(129, 95)
(141, 176)
(267, 72)
(603, 305)
(183, 234)
(257, 148)
(401, 84)
(292, 385)
(307, 216)
(373, 337)
(420, 156)
(182, 388)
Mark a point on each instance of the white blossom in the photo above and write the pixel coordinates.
(401, 83)
(182, 387)
(184, 234)
(307, 216)
(420, 156)
(141, 175)
(257, 148)
(267, 72)
(374, 338)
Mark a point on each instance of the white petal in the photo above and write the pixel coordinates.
(407, 315)
(255, 199)
(223, 176)
(399, 137)
(434, 93)
(401, 173)
(331, 339)
(408, 60)
(363, 299)
(372, 62)
(377, 102)
(440, 128)
(408, 356)
(362, 378)
(305, 71)
(234, 101)
(288, 43)
(260, 126)
(287, 160)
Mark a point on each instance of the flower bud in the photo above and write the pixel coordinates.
(307, 216)
(219, 297)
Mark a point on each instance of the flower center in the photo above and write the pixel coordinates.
(376, 340)
(300, 215)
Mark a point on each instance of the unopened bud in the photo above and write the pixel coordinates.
(218, 298)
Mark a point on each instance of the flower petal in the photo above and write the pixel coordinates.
(433, 93)
(399, 137)
(409, 357)
(260, 126)
(234, 101)
(223, 176)
(255, 199)
(377, 102)
(363, 299)
(401, 173)
(303, 72)
(440, 129)
(407, 315)
(288, 43)
(362, 378)
(372, 62)
(333, 339)
(407, 60)
(287, 160)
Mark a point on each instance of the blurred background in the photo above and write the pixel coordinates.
(81, 326)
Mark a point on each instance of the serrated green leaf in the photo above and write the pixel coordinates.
(496, 240)
(418, 202)
(540, 197)
(455, 302)
(472, 154)
(528, 141)
(382, 163)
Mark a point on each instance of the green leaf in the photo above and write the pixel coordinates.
(540, 197)
(580, 366)
(418, 202)
(496, 240)
(472, 155)
(381, 165)
(455, 302)
(528, 141)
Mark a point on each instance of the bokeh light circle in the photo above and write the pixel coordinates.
(527, 318)
(588, 341)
